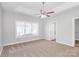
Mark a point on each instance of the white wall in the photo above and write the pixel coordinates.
(64, 30)
(9, 28)
(65, 26)
(0, 25)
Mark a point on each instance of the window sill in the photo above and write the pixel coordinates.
(26, 36)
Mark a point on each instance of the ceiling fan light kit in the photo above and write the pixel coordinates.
(43, 16)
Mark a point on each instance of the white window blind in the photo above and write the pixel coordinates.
(20, 28)
(26, 28)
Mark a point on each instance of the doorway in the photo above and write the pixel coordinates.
(76, 32)
(52, 31)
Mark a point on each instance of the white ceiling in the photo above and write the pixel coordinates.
(32, 8)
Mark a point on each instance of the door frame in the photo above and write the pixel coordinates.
(49, 30)
(73, 30)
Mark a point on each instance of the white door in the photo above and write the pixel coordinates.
(52, 31)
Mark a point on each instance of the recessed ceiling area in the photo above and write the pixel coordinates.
(32, 8)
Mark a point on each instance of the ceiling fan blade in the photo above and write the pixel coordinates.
(50, 12)
(48, 15)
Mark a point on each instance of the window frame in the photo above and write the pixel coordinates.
(27, 35)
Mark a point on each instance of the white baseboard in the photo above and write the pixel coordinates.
(22, 41)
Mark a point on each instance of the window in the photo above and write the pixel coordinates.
(26, 28)
(20, 28)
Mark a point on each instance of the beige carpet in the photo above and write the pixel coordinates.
(40, 48)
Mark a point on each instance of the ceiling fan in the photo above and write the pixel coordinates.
(44, 13)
